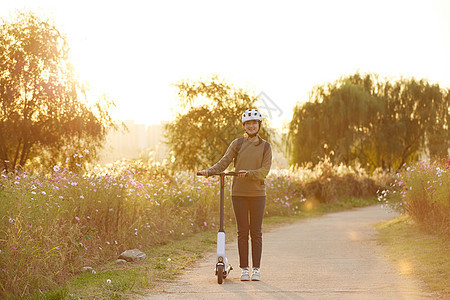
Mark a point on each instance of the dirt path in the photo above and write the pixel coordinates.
(331, 257)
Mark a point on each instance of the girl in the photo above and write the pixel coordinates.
(253, 159)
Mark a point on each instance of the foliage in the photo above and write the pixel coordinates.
(422, 190)
(52, 225)
(379, 124)
(43, 116)
(210, 119)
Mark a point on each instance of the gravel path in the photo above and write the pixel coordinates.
(331, 257)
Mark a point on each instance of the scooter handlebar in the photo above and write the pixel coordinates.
(221, 173)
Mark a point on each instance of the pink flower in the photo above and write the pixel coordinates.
(14, 248)
(76, 218)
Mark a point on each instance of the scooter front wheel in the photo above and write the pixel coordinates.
(219, 274)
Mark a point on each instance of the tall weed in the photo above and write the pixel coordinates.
(422, 190)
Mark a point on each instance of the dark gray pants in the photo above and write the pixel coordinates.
(243, 207)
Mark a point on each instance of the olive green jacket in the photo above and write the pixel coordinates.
(251, 157)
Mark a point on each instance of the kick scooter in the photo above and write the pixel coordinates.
(222, 266)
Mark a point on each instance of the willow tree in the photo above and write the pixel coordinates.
(208, 120)
(44, 116)
(367, 120)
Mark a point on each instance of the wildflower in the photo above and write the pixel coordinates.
(76, 218)
(56, 168)
(16, 182)
(82, 197)
(108, 281)
(86, 151)
(14, 248)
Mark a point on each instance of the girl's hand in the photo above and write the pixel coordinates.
(242, 173)
(203, 173)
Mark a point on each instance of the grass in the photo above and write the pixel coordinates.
(121, 281)
(416, 252)
(165, 263)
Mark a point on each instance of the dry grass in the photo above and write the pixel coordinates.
(418, 252)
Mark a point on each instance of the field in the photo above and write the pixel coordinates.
(53, 224)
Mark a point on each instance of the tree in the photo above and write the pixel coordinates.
(210, 118)
(44, 116)
(367, 120)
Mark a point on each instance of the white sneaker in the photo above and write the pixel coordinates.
(256, 274)
(245, 274)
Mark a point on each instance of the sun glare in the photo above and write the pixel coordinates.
(138, 50)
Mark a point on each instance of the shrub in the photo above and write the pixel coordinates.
(422, 190)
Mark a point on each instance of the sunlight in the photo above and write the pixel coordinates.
(353, 235)
(309, 205)
(405, 266)
(136, 51)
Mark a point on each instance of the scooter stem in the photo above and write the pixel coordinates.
(222, 184)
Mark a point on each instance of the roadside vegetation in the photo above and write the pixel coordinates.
(419, 241)
(417, 253)
(52, 225)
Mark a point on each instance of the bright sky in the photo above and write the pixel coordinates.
(135, 50)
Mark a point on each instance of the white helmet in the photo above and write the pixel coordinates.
(251, 114)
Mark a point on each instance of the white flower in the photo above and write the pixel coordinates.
(56, 168)
(108, 281)
(86, 151)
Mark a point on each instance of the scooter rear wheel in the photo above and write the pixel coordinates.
(219, 274)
